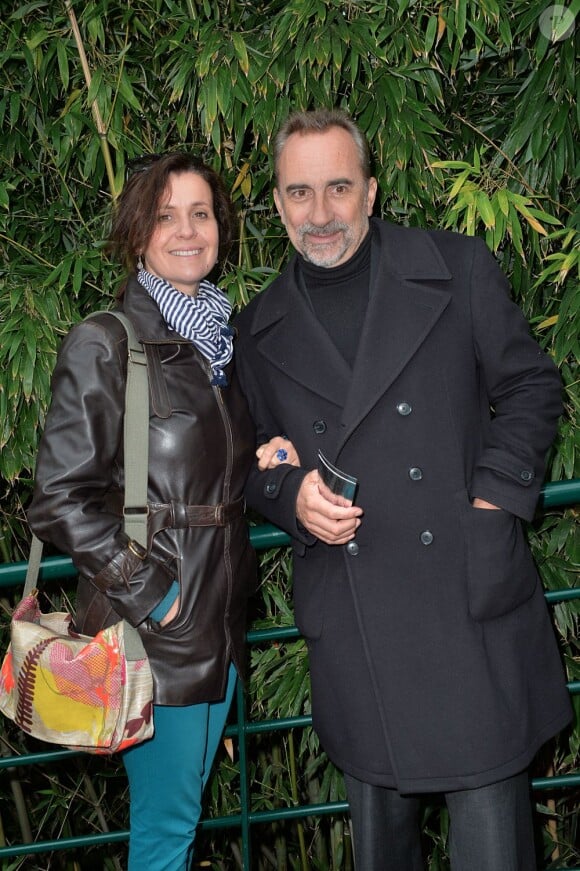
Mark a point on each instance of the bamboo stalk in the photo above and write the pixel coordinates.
(18, 796)
(94, 800)
(99, 123)
(294, 788)
(552, 824)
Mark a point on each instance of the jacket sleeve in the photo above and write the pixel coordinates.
(523, 388)
(79, 465)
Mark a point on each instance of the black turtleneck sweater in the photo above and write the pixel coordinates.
(339, 296)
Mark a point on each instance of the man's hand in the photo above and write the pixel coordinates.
(277, 450)
(330, 518)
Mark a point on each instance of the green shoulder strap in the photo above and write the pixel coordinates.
(136, 448)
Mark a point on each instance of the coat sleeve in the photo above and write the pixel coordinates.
(523, 388)
(273, 492)
(78, 466)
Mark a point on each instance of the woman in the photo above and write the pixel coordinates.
(187, 592)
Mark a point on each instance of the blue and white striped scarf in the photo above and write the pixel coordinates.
(202, 319)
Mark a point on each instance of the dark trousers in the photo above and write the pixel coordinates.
(491, 827)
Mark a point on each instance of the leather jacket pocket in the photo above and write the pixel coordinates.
(174, 565)
(501, 574)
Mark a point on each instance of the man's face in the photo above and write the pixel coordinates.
(323, 197)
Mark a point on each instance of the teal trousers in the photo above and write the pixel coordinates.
(167, 776)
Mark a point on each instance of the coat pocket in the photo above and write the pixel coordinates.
(501, 574)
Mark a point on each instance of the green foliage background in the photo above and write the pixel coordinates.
(471, 112)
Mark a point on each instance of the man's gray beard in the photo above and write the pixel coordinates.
(327, 230)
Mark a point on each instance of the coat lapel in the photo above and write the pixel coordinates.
(294, 341)
(403, 309)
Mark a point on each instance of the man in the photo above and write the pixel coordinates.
(398, 353)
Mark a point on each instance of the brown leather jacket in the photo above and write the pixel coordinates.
(201, 445)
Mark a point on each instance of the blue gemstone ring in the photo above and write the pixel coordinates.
(281, 454)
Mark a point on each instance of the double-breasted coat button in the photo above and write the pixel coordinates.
(404, 408)
(526, 474)
(426, 537)
(352, 548)
(319, 427)
(270, 488)
(415, 474)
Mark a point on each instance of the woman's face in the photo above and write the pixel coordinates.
(184, 246)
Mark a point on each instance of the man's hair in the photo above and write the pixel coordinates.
(135, 216)
(319, 121)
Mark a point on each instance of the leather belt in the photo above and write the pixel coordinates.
(177, 515)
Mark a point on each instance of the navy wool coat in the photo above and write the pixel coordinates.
(433, 661)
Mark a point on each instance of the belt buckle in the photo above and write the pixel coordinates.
(220, 514)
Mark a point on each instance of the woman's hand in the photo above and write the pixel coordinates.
(277, 450)
(171, 614)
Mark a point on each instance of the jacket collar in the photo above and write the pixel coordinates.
(146, 317)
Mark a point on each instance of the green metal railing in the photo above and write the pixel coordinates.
(555, 494)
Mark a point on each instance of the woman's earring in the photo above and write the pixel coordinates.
(139, 262)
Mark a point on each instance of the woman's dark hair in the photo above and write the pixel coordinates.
(135, 215)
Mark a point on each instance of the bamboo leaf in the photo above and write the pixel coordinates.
(127, 92)
(523, 210)
(548, 322)
(63, 63)
(458, 183)
(451, 164)
(515, 231)
(485, 209)
(502, 201)
(460, 18)
(37, 39)
(95, 86)
(431, 34)
(241, 51)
